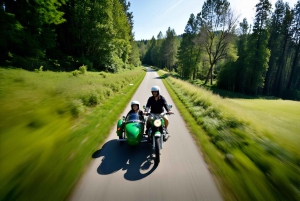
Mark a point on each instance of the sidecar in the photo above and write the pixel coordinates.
(131, 129)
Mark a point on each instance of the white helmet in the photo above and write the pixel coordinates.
(135, 103)
(155, 88)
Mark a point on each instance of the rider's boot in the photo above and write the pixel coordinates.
(166, 136)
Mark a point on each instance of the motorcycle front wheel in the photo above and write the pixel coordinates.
(157, 150)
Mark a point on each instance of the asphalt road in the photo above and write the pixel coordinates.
(121, 172)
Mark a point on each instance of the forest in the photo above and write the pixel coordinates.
(61, 35)
(217, 49)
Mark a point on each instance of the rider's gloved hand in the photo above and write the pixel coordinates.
(170, 112)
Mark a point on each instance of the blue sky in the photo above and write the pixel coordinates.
(153, 16)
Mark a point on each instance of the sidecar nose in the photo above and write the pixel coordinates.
(134, 133)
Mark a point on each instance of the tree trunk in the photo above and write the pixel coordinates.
(293, 67)
(278, 80)
(208, 74)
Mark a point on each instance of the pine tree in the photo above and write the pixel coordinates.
(285, 32)
(274, 45)
(169, 49)
(258, 53)
(189, 51)
(294, 78)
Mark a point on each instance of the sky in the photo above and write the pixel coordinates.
(152, 16)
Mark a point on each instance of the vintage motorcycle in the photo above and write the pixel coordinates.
(131, 130)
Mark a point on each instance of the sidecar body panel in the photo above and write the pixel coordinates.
(134, 133)
(134, 128)
(119, 127)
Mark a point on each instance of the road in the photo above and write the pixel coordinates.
(121, 172)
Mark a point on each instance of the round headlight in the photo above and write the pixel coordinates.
(157, 123)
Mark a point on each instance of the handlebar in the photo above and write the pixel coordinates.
(165, 113)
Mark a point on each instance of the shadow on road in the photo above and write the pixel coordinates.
(138, 160)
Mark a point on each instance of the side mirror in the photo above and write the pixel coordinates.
(144, 107)
(170, 106)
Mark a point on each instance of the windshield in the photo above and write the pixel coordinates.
(133, 117)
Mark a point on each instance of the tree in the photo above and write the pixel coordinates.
(285, 32)
(134, 57)
(294, 77)
(155, 50)
(189, 51)
(122, 36)
(218, 25)
(274, 45)
(232, 74)
(258, 53)
(98, 32)
(169, 49)
(31, 33)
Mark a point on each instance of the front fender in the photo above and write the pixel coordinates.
(157, 134)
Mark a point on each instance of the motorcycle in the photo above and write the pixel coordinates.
(131, 130)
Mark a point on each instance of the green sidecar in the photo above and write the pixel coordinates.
(131, 129)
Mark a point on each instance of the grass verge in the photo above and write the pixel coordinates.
(247, 164)
(52, 123)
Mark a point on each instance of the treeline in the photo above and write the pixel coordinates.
(65, 34)
(262, 59)
(162, 51)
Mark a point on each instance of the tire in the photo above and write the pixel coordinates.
(157, 150)
(122, 137)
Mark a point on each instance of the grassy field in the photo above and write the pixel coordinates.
(51, 124)
(274, 119)
(251, 146)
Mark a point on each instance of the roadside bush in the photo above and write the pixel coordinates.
(116, 65)
(76, 108)
(83, 69)
(104, 75)
(90, 99)
(86, 62)
(131, 66)
(108, 92)
(75, 73)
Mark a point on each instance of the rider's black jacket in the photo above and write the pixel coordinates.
(158, 106)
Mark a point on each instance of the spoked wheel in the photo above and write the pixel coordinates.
(122, 136)
(157, 149)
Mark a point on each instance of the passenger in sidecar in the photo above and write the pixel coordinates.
(134, 115)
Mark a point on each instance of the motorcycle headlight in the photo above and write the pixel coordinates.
(157, 123)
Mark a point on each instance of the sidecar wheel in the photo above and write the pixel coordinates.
(157, 150)
(122, 137)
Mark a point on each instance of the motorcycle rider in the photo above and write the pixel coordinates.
(135, 108)
(157, 103)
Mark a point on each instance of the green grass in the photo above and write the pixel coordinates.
(274, 119)
(51, 123)
(252, 157)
